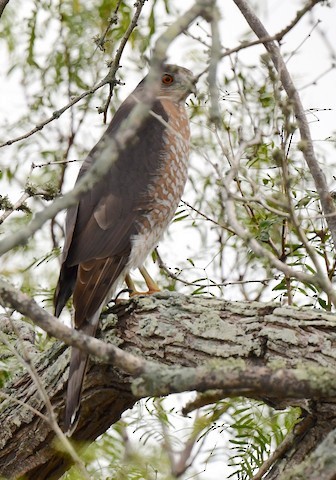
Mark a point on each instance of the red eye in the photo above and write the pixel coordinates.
(167, 79)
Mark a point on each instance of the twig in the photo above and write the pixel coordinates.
(166, 438)
(203, 215)
(278, 36)
(299, 430)
(174, 276)
(200, 8)
(316, 79)
(263, 202)
(108, 79)
(23, 404)
(293, 52)
(56, 162)
(125, 134)
(100, 41)
(56, 114)
(115, 64)
(184, 460)
(268, 38)
(3, 4)
(215, 55)
(51, 418)
(306, 144)
(329, 45)
(15, 207)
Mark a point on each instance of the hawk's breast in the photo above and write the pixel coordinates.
(165, 190)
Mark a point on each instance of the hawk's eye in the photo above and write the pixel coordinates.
(167, 79)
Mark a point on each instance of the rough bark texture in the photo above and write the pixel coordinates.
(180, 331)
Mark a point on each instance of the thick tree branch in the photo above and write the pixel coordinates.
(9, 296)
(261, 350)
(290, 381)
(320, 464)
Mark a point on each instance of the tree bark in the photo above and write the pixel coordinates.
(259, 350)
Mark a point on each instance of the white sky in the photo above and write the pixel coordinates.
(310, 60)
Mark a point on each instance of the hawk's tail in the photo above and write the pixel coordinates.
(78, 365)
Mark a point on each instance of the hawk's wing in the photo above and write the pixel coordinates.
(101, 225)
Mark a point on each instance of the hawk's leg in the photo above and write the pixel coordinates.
(152, 286)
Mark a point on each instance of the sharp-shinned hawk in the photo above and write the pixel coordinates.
(117, 224)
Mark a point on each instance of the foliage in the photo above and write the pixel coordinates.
(57, 49)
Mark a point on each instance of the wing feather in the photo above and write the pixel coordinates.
(94, 280)
(105, 219)
(107, 215)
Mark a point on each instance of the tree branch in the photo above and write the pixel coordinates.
(124, 136)
(9, 296)
(3, 4)
(321, 463)
(278, 36)
(261, 351)
(109, 79)
(292, 381)
(306, 144)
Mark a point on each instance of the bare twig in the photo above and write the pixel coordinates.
(51, 418)
(22, 404)
(108, 80)
(125, 134)
(3, 4)
(316, 79)
(215, 55)
(203, 215)
(278, 36)
(328, 44)
(115, 64)
(100, 41)
(176, 276)
(306, 144)
(298, 47)
(268, 38)
(184, 460)
(56, 114)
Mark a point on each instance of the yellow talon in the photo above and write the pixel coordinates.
(151, 284)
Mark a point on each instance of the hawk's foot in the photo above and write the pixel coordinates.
(151, 284)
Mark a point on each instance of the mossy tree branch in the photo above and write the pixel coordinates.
(281, 355)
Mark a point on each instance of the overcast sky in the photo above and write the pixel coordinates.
(312, 58)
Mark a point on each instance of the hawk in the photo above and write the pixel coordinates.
(116, 224)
